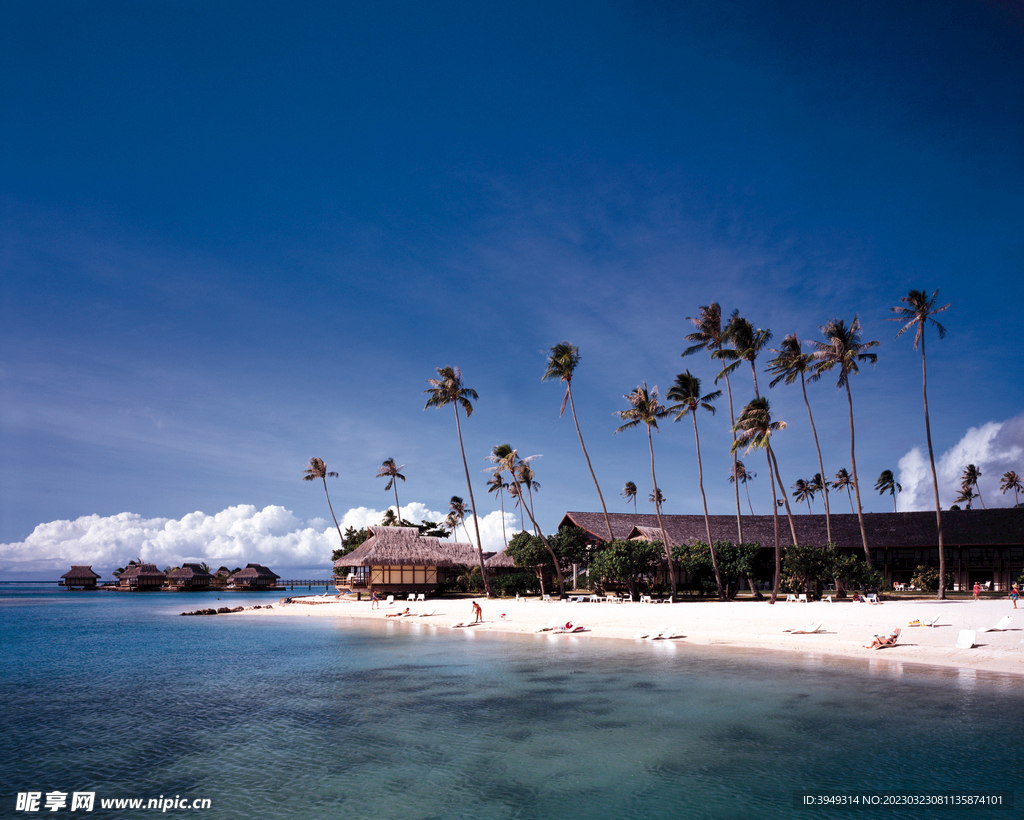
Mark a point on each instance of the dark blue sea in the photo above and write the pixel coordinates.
(116, 695)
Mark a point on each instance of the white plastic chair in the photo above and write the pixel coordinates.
(965, 639)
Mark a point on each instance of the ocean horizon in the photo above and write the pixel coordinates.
(116, 695)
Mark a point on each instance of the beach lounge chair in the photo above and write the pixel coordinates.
(645, 599)
(924, 622)
(809, 629)
(639, 636)
(790, 599)
(966, 639)
(802, 599)
(662, 633)
(547, 627)
(884, 641)
(999, 627)
(390, 600)
(425, 613)
(872, 598)
(827, 599)
(421, 597)
(569, 627)
(547, 599)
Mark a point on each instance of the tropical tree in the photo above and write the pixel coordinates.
(709, 336)
(967, 495)
(629, 492)
(686, 391)
(457, 512)
(754, 430)
(562, 362)
(888, 484)
(317, 469)
(803, 491)
(507, 460)
(741, 474)
(844, 349)
(746, 343)
(524, 472)
(644, 408)
(918, 311)
(496, 485)
(844, 481)
(657, 498)
(791, 363)
(391, 471)
(449, 389)
(1011, 481)
(969, 480)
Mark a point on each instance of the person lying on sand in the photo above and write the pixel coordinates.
(882, 641)
(398, 614)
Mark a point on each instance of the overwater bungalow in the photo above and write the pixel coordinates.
(983, 546)
(79, 577)
(400, 560)
(139, 577)
(189, 577)
(255, 576)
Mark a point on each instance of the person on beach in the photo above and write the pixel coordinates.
(405, 611)
(374, 601)
(884, 640)
(1014, 595)
(977, 590)
(478, 614)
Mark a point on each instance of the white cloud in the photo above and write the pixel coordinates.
(234, 537)
(994, 448)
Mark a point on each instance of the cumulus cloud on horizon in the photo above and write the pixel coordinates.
(238, 535)
(994, 448)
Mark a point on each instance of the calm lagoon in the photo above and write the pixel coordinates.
(293, 718)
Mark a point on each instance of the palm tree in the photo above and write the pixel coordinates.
(686, 391)
(562, 363)
(317, 469)
(646, 409)
(967, 495)
(919, 310)
(448, 389)
(843, 480)
(1011, 481)
(507, 459)
(496, 485)
(743, 475)
(746, 344)
(629, 491)
(843, 348)
(524, 472)
(709, 336)
(391, 471)
(804, 491)
(888, 484)
(457, 512)
(970, 478)
(754, 430)
(657, 499)
(789, 364)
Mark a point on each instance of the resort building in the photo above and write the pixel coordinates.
(255, 576)
(188, 577)
(139, 577)
(983, 546)
(400, 560)
(79, 577)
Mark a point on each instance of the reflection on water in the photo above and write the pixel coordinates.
(305, 718)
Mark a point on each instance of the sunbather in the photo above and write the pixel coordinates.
(882, 641)
(405, 611)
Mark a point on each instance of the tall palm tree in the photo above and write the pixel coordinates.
(843, 480)
(967, 495)
(317, 469)
(844, 349)
(524, 472)
(629, 491)
(562, 362)
(746, 343)
(754, 430)
(449, 389)
(507, 460)
(1011, 481)
(457, 512)
(789, 364)
(496, 485)
(887, 483)
(803, 491)
(918, 311)
(741, 474)
(969, 480)
(709, 336)
(391, 471)
(686, 391)
(644, 408)
(657, 498)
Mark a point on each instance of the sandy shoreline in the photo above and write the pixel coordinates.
(846, 626)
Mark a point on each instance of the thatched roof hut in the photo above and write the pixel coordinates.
(141, 576)
(79, 576)
(255, 576)
(190, 576)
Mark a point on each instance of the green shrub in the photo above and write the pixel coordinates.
(518, 583)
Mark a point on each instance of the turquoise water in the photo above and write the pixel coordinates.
(307, 718)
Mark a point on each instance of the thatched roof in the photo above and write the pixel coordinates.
(500, 559)
(80, 573)
(404, 546)
(189, 571)
(996, 527)
(253, 571)
(143, 572)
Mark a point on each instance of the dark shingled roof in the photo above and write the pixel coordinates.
(80, 573)
(253, 571)
(404, 546)
(960, 528)
(188, 571)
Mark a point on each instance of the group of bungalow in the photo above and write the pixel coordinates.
(137, 577)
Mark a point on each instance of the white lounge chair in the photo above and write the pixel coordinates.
(421, 597)
(547, 627)
(802, 598)
(643, 633)
(965, 639)
(569, 628)
(662, 633)
(645, 599)
(426, 614)
(547, 599)
(827, 599)
(809, 629)
(791, 599)
(872, 598)
(1001, 626)
(390, 600)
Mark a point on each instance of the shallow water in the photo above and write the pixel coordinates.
(310, 718)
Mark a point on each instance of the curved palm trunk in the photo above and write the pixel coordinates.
(739, 513)
(396, 503)
(529, 491)
(604, 509)
(856, 482)
(472, 501)
(501, 501)
(935, 480)
(707, 520)
(746, 489)
(775, 520)
(848, 495)
(551, 552)
(785, 500)
(661, 524)
(342, 537)
(821, 466)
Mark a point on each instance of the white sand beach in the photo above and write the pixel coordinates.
(845, 626)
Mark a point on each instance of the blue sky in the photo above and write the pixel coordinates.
(235, 236)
